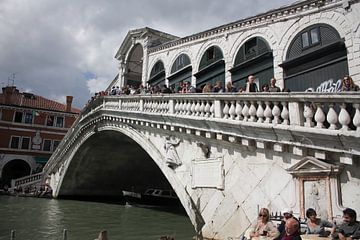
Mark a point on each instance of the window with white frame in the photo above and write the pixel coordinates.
(47, 145)
(18, 142)
(310, 37)
(59, 122)
(28, 118)
(55, 144)
(25, 143)
(53, 121)
(15, 142)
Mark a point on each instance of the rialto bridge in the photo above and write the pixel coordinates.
(225, 155)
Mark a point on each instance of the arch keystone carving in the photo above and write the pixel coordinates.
(171, 156)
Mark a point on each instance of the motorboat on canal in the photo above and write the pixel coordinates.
(152, 197)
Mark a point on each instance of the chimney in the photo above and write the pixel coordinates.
(8, 91)
(69, 100)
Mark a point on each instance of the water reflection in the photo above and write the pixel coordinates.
(42, 219)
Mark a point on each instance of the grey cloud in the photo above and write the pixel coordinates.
(50, 44)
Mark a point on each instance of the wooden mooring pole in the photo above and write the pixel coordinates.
(64, 234)
(12, 235)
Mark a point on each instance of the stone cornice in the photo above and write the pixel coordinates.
(292, 10)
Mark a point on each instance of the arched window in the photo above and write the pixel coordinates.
(133, 73)
(316, 56)
(253, 58)
(181, 71)
(211, 68)
(157, 74)
(181, 62)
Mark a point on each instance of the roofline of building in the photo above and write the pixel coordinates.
(139, 32)
(40, 109)
(270, 15)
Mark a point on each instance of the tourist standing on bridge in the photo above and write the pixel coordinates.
(348, 85)
(230, 88)
(207, 88)
(273, 87)
(250, 85)
(265, 88)
(218, 88)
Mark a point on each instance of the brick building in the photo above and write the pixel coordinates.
(31, 127)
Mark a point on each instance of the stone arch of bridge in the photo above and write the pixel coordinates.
(134, 136)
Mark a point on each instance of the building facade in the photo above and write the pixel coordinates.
(31, 127)
(306, 45)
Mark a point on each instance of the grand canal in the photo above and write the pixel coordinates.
(40, 219)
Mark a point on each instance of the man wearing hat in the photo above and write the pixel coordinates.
(287, 214)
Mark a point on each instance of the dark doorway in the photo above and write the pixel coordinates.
(15, 169)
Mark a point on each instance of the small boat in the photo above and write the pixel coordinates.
(152, 197)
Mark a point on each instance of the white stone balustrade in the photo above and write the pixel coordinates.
(304, 111)
(288, 119)
(310, 110)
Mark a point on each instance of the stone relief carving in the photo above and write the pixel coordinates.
(315, 197)
(36, 140)
(172, 158)
(319, 188)
(205, 149)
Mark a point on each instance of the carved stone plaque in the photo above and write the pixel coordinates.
(208, 173)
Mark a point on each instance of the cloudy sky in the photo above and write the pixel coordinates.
(67, 47)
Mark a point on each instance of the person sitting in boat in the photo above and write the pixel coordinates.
(263, 226)
(315, 225)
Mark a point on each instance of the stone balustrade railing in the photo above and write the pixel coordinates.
(310, 110)
(324, 113)
(33, 179)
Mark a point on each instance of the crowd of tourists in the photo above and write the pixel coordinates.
(186, 87)
(290, 226)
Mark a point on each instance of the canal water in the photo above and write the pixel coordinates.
(40, 219)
